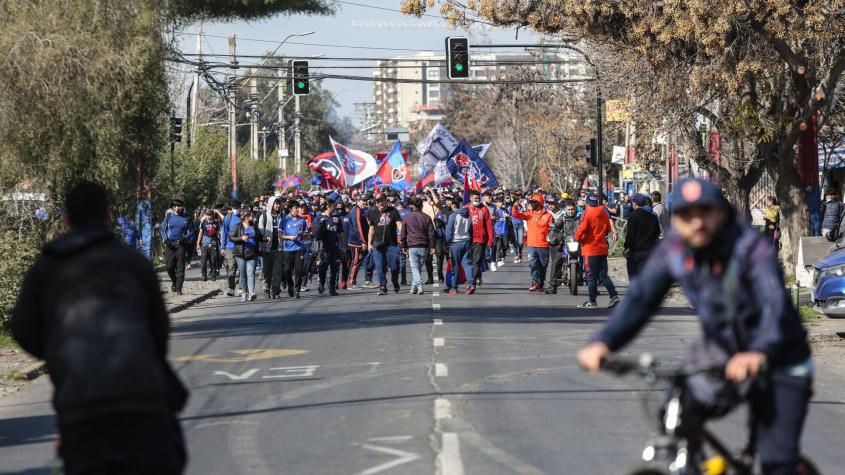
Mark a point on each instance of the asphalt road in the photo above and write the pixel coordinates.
(406, 384)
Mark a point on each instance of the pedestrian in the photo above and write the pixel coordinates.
(174, 234)
(772, 221)
(660, 211)
(308, 210)
(459, 239)
(501, 230)
(563, 230)
(328, 231)
(269, 249)
(417, 241)
(538, 221)
(482, 236)
(832, 211)
(383, 241)
(518, 231)
(102, 330)
(208, 244)
(489, 251)
(403, 210)
(231, 220)
(441, 218)
(641, 235)
(356, 228)
(293, 228)
(246, 237)
(592, 234)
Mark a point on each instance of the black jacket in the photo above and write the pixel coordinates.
(92, 310)
(642, 232)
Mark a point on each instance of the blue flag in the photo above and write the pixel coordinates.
(464, 160)
(393, 170)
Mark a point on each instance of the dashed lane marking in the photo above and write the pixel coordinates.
(450, 455)
(435, 306)
(439, 341)
(442, 409)
(438, 321)
(435, 294)
(441, 370)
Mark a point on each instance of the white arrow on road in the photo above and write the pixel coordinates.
(237, 377)
(403, 457)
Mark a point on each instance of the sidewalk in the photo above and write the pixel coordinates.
(17, 367)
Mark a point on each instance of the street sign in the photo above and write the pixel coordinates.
(641, 176)
(617, 110)
(618, 157)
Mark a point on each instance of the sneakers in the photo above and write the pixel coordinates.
(178, 292)
(413, 290)
(243, 298)
(516, 260)
(321, 288)
(369, 285)
(304, 288)
(429, 282)
(354, 287)
(502, 263)
(333, 292)
(252, 297)
(493, 266)
(382, 290)
(551, 290)
(296, 296)
(470, 289)
(396, 288)
(614, 301)
(588, 304)
(420, 291)
(343, 285)
(535, 288)
(452, 291)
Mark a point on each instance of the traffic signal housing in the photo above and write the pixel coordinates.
(300, 84)
(592, 153)
(457, 54)
(175, 129)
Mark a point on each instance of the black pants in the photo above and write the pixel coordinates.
(441, 250)
(126, 444)
(174, 258)
(345, 261)
(635, 262)
(356, 258)
(272, 269)
(478, 250)
(500, 247)
(429, 267)
(329, 260)
(556, 257)
(208, 259)
(293, 270)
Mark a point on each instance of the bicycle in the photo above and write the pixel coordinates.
(672, 454)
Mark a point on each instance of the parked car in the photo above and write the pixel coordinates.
(829, 284)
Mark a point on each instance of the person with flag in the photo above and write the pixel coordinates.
(482, 235)
(537, 221)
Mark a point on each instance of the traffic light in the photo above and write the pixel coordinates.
(592, 153)
(457, 54)
(301, 86)
(175, 129)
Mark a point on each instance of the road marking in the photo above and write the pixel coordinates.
(442, 409)
(403, 457)
(435, 306)
(237, 377)
(438, 321)
(435, 294)
(441, 370)
(439, 341)
(244, 356)
(436, 284)
(293, 372)
(398, 438)
(450, 455)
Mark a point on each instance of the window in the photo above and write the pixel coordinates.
(434, 73)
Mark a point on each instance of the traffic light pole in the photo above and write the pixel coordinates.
(599, 134)
(297, 135)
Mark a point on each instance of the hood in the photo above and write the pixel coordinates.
(832, 260)
(593, 211)
(464, 212)
(78, 240)
(538, 197)
(270, 202)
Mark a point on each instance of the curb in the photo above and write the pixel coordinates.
(32, 371)
(194, 301)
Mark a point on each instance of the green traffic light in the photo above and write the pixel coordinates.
(301, 85)
(459, 67)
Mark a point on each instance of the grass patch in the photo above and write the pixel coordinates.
(6, 340)
(807, 313)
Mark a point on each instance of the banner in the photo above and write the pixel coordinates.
(437, 146)
(328, 165)
(481, 150)
(464, 161)
(393, 171)
(356, 165)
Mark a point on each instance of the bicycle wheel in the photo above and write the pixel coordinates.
(807, 467)
(648, 471)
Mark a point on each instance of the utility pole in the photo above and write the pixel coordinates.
(233, 116)
(264, 144)
(297, 148)
(599, 133)
(253, 117)
(283, 143)
(196, 88)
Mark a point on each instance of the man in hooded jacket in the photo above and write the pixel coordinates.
(271, 252)
(537, 221)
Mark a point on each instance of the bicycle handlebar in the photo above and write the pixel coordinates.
(646, 367)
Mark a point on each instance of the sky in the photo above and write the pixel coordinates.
(357, 27)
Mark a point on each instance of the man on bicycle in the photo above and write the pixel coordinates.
(731, 275)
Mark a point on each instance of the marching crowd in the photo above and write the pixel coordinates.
(353, 240)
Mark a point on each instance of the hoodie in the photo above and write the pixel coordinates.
(459, 227)
(592, 232)
(537, 222)
(268, 225)
(482, 225)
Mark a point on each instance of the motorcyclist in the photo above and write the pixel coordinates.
(565, 225)
(731, 275)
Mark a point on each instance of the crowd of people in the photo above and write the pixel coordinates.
(354, 240)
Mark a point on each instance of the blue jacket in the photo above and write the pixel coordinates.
(736, 287)
(229, 222)
(175, 227)
(356, 227)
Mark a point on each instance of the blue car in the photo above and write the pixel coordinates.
(829, 284)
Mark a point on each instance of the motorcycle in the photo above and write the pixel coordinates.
(573, 272)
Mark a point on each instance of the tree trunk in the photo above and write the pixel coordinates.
(795, 216)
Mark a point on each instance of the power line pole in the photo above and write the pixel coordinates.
(253, 118)
(283, 143)
(233, 116)
(599, 133)
(196, 88)
(297, 149)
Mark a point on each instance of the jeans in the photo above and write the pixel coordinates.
(293, 270)
(518, 239)
(596, 269)
(403, 265)
(208, 259)
(635, 262)
(384, 257)
(417, 257)
(538, 261)
(461, 253)
(247, 270)
(175, 257)
(369, 266)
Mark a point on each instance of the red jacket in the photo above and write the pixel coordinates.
(482, 225)
(593, 230)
